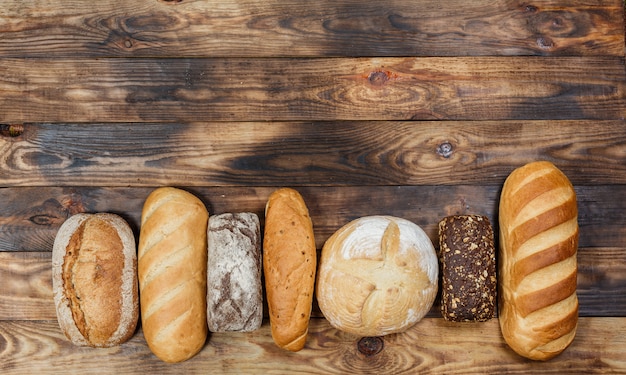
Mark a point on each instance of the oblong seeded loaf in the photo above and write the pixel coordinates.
(289, 264)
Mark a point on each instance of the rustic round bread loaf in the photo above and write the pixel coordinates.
(377, 275)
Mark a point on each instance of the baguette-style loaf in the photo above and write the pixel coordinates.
(94, 280)
(234, 287)
(172, 259)
(289, 263)
(538, 307)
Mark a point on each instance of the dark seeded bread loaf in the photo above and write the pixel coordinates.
(468, 268)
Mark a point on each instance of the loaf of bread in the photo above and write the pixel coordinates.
(172, 259)
(234, 286)
(289, 264)
(94, 280)
(468, 268)
(377, 275)
(538, 307)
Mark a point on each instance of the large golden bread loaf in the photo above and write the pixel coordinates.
(377, 275)
(538, 308)
(172, 265)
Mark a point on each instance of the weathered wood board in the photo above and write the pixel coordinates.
(418, 109)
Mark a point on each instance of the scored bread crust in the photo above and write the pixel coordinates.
(172, 261)
(289, 264)
(538, 306)
(377, 275)
(125, 289)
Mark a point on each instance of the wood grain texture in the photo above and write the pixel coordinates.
(418, 109)
(325, 28)
(26, 288)
(27, 295)
(311, 89)
(431, 346)
(309, 153)
(31, 217)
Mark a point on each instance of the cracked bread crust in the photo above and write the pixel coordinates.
(234, 287)
(95, 280)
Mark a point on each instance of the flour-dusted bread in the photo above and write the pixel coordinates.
(538, 308)
(172, 259)
(94, 280)
(234, 286)
(468, 268)
(289, 263)
(377, 275)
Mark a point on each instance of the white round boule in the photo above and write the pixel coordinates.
(377, 275)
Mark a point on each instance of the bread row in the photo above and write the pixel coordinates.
(377, 275)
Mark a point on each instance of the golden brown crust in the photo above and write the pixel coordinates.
(289, 263)
(377, 275)
(172, 258)
(538, 309)
(95, 280)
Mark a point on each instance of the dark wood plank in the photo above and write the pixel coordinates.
(30, 217)
(431, 346)
(256, 28)
(315, 153)
(315, 89)
(26, 293)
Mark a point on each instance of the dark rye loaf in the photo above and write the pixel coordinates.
(468, 285)
(234, 288)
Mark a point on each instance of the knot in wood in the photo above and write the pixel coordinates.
(545, 42)
(378, 78)
(370, 346)
(531, 9)
(11, 130)
(445, 149)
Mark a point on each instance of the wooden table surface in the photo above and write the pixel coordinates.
(418, 109)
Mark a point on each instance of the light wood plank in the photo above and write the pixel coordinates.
(315, 153)
(311, 89)
(26, 293)
(432, 346)
(256, 28)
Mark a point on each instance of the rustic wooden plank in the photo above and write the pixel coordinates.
(26, 288)
(26, 292)
(310, 153)
(432, 346)
(255, 28)
(30, 217)
(311, 89)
